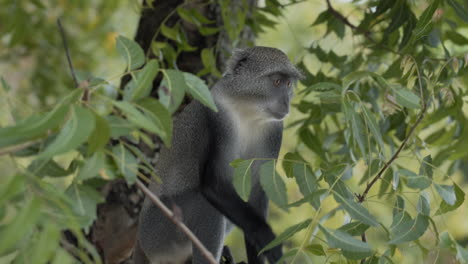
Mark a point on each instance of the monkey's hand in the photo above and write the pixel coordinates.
(262, 237)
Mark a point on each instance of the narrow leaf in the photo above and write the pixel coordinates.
(373, 127)
(460, 198)
(286, 234)
(138, 118)
(405, 233)
(172, 89)
(356, 210)
(407, 98)
(273, 185)
(354, 228)
(126, 162)
(199, 90)
(305, 179)
(37, 126)
(100, 135)
(142, 84)
(131, 52)
(160, 118)
(340, 239)
(75, 132)
(447, 192)
(92, 166)
(242, 179)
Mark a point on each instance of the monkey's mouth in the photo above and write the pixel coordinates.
(278, 115)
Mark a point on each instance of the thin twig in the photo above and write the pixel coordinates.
(16, 148)
(362, 197)
(67, 52)
(343, 19)
(169, 214)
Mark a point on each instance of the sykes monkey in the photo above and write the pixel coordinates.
(253, 98)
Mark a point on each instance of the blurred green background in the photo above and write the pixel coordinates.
(33, 63)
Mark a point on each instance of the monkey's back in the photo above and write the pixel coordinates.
(179, 166)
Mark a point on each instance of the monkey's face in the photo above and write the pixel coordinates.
(279, 91)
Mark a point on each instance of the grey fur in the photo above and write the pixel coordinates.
(247, 125)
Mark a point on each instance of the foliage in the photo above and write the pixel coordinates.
(376, 125)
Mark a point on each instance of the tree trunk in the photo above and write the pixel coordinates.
(114, 231)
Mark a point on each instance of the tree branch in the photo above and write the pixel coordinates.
(83, 85)
(169, 214)
(67, 51)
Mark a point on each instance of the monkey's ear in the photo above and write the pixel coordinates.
(237, 61)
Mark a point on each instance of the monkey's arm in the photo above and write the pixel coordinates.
(222, 195)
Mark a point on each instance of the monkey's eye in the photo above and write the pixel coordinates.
(289, 83)
(277, 82)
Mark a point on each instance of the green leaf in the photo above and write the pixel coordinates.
(409, 230)
(313, 198)
(356, 210)
(426, 167)
(75, 132)
(447, 192)
(462, 253)
(50, 168)
(424, 207)
(312, 142)
(424, 21)
(273, 185)
(445, 241)
(357, 128)
(322, 17)
(289, 160)
(407, 98)
(160, 118)
(209, 61)
(45, 246)
(315, 249)
(100, 135)
(142, 84)
(138, 118)
(171, 33)
(354, 228)
(305, 179)
(415, 181)
(399, 205)
(22, 224)
(286, 234)
(37, 126)
(373, 127)
(92, 166)
(119, 126)
(131, 52)
(340, 239)
(459, 9)
(242, 179)
(172, 89)
(460, 198)
(322, 86)
(199, 90)
(126, 162)
(13, 187)
(84, 202)
(456, 38)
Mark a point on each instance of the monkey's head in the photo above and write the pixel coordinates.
(260, 81)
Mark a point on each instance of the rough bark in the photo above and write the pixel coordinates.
(114, 231)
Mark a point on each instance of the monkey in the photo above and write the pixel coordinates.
(252, 98)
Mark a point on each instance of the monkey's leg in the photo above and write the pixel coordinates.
(159, 239)
(207, 224)
(259, 201)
